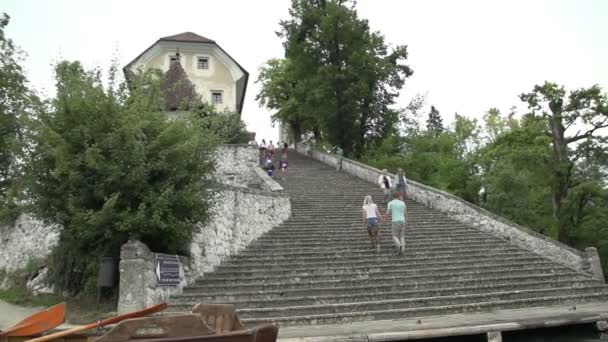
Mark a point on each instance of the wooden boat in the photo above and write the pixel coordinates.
(206, 323)
(98, 324)
(38, 323)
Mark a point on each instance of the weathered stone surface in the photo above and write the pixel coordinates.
(239, 218)
(468, 213)
(241, 213)
(38, 285)
(494, 336)
(234, 165)
(138, 282)
(27, 239)
(595, 266)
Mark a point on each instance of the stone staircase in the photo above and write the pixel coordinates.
(318, 266)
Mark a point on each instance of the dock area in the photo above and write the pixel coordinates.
(489, 323)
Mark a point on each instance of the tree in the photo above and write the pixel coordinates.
(584, 110)
(280, 91)
(514, 168)
(178, 91)
(17, 102)
(434, 124)
(108, 172)
(347, 76)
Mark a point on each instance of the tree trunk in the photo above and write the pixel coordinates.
(296, 131)
(561, 172)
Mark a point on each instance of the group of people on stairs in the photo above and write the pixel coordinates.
(396, 208)
(267, 152)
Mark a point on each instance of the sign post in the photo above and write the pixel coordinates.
(166, 268)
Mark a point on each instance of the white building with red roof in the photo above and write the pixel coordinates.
(217, 77)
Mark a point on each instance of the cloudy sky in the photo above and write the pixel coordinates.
(467, 56)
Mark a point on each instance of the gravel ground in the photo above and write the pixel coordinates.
(11, 314)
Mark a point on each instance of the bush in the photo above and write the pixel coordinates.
(109, 171)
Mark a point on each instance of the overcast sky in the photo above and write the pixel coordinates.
(467, 56)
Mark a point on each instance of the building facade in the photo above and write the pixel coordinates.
(217, 77)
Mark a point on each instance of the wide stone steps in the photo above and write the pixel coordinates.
(372, 265)
(477, 285)
(395, 310)
(244, 298)
(463, 258)
(353, 238)
(318, 266)
(358, 255)
(368, 253)
(453, 276)
(359, 233)
(388, 300)
(366, 274)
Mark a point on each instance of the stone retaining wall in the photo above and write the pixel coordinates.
(240, 216)
(138, 282)
(27, 239)
(235, 163)
(480, 218)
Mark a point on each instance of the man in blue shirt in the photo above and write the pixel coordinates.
(396, 208)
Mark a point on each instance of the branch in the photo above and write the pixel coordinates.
(589, 133)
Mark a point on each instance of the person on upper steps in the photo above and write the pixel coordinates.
(384, 180)
(400, 183)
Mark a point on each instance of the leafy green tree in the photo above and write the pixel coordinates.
(17, 103)
(349, 75)
(108, 172)
(280, 91)
(586, 112)
(434, 124)
(514, 170)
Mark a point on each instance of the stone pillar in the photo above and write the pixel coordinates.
(594, 264)
(494, 336)
(134, 256)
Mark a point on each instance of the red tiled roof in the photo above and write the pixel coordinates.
(187, 37)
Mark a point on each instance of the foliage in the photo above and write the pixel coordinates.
(226, 125)
(281, 91)
(434, 124)
(586, 110)
(16, 103)
(339, 78)
(109, 171)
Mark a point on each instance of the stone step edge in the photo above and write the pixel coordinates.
(413, 310)
(220, 269)
(383, 254)
(408, 277)
(410, 246)
(504, 284)
(384, 258)
(599, 288)
(397, 271)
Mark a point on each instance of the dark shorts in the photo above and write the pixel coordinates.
(372, 223)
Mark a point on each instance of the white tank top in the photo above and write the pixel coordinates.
(370, 210)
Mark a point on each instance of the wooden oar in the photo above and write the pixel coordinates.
(39, 322)
(135, 314)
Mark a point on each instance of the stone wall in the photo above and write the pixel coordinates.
(138, 282)
(27, 239)
(240, 216)
(235, 164)
(480, 218)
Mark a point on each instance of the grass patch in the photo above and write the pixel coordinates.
(21, 297)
